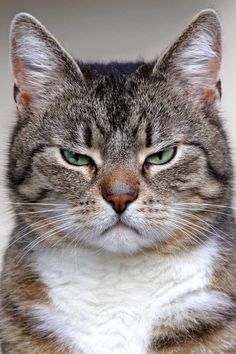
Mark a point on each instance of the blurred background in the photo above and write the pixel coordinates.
(105, 30)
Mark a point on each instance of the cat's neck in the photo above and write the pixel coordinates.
(131, 294)
(76, 261)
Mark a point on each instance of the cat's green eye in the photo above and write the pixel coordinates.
(76, 159)
(162, 157)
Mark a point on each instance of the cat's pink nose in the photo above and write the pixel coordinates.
(120, 202)
(119, 189)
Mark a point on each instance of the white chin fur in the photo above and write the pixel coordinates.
(122, 239)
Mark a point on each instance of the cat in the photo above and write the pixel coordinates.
(120, 177)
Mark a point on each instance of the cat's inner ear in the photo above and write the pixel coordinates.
(193, 61)
(40, 65)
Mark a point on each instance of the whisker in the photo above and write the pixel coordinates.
(204, 210)
(215, 231)
(42, 238)
(13, 214)
(197, 217)
(187, 233)
(57, 218)
(210, 205)
(195, 227)
(33, 203)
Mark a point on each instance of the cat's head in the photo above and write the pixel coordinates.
(119, 157)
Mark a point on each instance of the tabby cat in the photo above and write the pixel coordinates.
(120, 178)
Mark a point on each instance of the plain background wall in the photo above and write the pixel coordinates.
(111, 30)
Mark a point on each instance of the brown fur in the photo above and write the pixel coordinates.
(20, 291)
(123, 115)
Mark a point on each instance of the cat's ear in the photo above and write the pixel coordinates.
(193, 61)
(40, 65)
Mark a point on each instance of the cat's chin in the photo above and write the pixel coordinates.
(121, 231)
(122, 239)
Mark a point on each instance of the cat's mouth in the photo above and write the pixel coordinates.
(120, 229)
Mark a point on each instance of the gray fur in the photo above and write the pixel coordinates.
(119, 111)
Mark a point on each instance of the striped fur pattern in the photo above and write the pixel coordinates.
(78, 276)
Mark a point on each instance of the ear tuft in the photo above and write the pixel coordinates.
(39, 63)
(194, 60)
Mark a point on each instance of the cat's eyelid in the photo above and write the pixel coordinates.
(154, 149)
(94, 154)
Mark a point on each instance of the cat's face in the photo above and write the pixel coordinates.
(111, 161)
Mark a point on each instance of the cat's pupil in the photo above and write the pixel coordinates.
(160, 155)
(76, 156)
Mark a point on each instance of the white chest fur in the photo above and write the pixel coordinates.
(103, 304)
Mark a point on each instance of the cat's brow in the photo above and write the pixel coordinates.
(88, 136)
(148, 131)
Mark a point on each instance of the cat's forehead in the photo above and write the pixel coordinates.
(114, 107)
(122, 111)
(117, 99)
